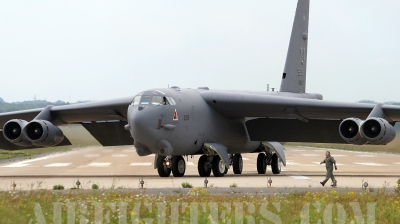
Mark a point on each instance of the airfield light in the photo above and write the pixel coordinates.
(78, 183)
(365, 185)
(270, 182)
(141, 182)
(205, 182)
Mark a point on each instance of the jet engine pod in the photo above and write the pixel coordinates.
(165, 148)
(43, 133)
(377, 131)
(349, 131)
(12, 131)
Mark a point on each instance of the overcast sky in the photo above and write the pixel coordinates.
(95, 50)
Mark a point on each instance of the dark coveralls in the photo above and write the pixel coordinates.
(329, 168)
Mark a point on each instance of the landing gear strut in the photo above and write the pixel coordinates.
(163, 166)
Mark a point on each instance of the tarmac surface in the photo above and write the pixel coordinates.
(120, 167)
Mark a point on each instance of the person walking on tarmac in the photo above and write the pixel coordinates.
(329, 163)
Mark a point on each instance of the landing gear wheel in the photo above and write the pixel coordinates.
(261, 164)
(178, 166)
(237, 164)
(202, 167)
(218, 167)
(163, 171)
(275, 164)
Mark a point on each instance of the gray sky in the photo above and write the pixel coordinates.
(107, 49)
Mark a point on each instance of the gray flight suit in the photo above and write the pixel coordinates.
(329, 169)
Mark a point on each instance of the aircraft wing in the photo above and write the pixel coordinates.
(233, 104)
(287, 119)
(103, 119)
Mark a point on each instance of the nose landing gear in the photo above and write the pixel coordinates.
(168, 164)
(163, 166)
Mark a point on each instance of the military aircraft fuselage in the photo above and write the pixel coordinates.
(178, 121)
(182, 122)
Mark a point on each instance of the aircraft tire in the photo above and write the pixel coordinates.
(162, 171)
(218, 167)
(237, 164)
(178, 166)
(276, 168)
(204, 171)
(261, 164)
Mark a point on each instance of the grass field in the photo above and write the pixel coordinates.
(198, 206)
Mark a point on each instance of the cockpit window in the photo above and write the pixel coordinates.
(152, 100)
(157, 100)
(136, 100)
(171, 100)
(145, 100)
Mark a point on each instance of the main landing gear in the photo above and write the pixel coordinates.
(176, 164)
(216, 165)
(264, 159)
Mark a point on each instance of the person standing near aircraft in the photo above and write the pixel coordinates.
(329, 163)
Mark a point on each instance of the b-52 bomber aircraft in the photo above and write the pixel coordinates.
(218, 125)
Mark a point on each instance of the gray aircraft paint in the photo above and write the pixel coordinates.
(198, 121)
(294, 73)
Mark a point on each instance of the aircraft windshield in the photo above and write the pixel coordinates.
(152, 100)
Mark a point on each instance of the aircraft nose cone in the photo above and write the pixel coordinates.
(142, 125)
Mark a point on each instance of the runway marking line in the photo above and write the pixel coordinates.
(300, 177)
(140, 164)
(15, 165)
(369, 164)
(92, 155)
(57, 165)
(119, 155)
(99, 164)
(309, 155)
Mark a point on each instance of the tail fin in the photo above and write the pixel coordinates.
(294, 73)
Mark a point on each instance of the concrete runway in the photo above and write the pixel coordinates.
(121, 167)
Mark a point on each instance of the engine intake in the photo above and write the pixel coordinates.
(43, 133)
(349, 131)
(12, 131)
(377, 131)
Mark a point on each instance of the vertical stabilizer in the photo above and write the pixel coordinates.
(294, 73)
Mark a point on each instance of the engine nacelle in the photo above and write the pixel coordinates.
(13, 132)
(43, 133)
(377, 131)
(349, 131)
